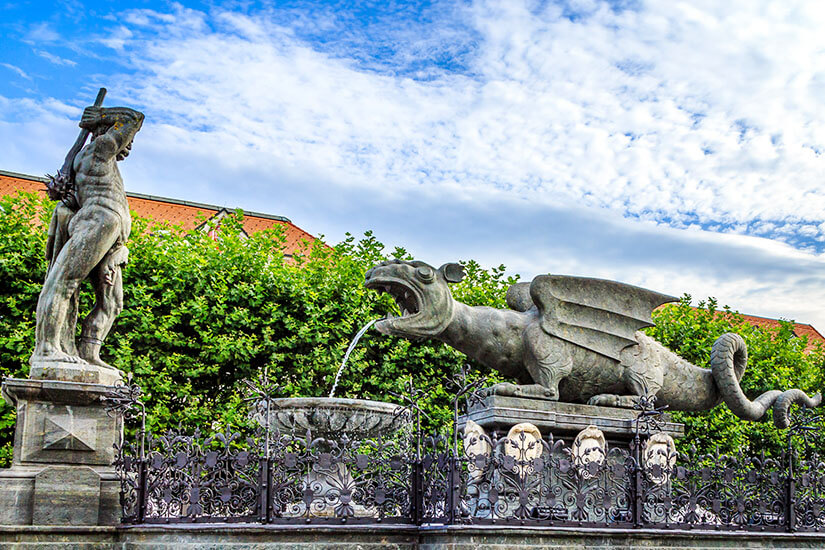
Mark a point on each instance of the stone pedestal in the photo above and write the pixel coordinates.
(496, 413)
(62, 471)
(75, 372)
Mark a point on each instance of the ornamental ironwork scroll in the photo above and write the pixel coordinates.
(524, 478)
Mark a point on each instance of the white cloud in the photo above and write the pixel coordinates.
(753, 275)
(14, 68)
(599, 144)
(40, 33)
(117, 38)
(57, 60)
(657, 114)
(35, 135)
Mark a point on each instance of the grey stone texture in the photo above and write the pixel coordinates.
(74, 372)
(63, 453)
(537, 538)
(330, 416)
(375, 537)
(66, 495)
(572, 339)
(499, 413)
(273, 538)
(61, 423)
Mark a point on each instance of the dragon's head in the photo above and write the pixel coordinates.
(421, 292)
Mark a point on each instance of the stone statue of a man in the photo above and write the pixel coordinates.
(87, 237)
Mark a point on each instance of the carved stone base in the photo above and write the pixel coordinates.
(62, 470)
(75, 372)
(496, 413)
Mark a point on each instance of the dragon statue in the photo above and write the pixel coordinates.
(573, 339)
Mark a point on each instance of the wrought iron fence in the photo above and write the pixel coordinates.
(411, 479)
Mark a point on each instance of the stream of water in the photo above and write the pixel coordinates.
(346, 355)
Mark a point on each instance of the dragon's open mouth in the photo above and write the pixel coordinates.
(406, 299)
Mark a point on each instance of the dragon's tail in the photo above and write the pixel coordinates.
(728, 359)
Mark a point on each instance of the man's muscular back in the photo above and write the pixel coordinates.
(98, 182)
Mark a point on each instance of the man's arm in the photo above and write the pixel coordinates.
(114, 127)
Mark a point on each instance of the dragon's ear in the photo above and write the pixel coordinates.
(453, 273)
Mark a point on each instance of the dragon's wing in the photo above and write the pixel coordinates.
(596, 314)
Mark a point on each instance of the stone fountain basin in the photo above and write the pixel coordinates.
(327, 416)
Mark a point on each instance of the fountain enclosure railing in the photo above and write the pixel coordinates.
(287, 472)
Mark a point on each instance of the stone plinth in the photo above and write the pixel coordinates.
(62, 471)
(393, 537)
(75, 372)
(496, 413)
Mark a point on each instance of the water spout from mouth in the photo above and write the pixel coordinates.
(346, 355)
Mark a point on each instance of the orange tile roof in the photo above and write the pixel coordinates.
(799, 329)
(187, 214)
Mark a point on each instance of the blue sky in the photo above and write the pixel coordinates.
(675, 145)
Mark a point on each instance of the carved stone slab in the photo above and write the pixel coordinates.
(499, 413)
(61, 423)
(75, 372)
(69, 433)
(66, 495)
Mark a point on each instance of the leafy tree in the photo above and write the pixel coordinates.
(204, 313)
(777, 359)
(23, 220)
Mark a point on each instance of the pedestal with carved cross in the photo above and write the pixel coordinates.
(62, 471)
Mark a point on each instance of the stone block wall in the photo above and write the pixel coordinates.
(529, 538)
(385, 537)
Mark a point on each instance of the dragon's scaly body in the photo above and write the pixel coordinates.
(572, 339)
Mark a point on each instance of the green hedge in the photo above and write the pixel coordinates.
(202, 314)
(776, 360)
